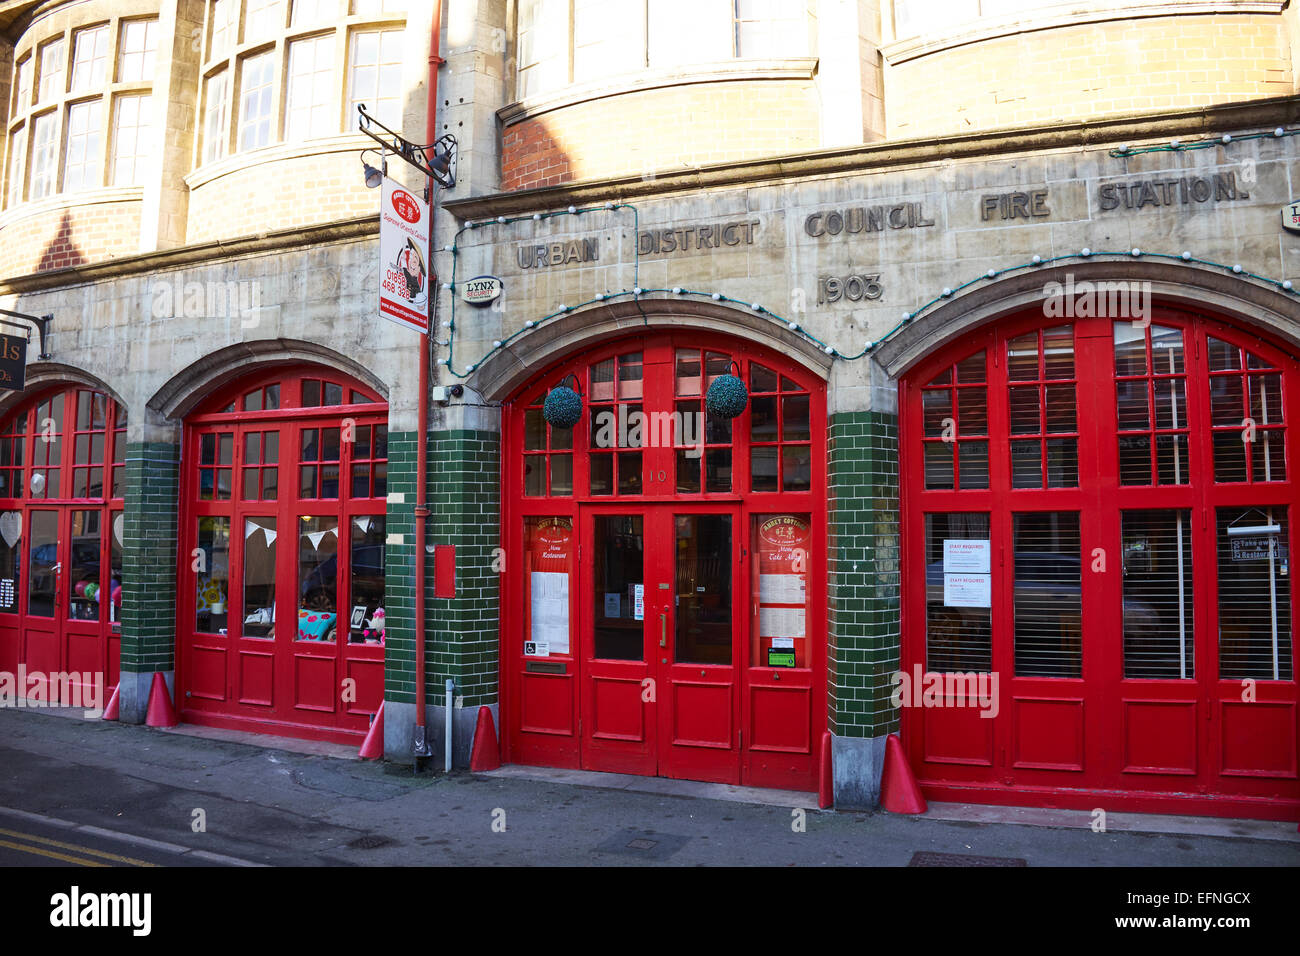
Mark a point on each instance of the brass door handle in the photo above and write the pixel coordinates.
(663, 628)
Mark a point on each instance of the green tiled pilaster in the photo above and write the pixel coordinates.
(863, 567)
(464, 505)
(149, 557)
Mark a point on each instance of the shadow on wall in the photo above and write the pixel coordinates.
(61, 252)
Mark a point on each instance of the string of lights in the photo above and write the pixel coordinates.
(1178, 146)
(638, 294)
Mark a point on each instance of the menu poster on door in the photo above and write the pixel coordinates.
(781, 555)
(549, 547)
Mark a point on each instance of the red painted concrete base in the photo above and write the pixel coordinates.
(161, 712)
(899, 792)
(112, 710)
(825, 781)
(372, 748)
(486, 754)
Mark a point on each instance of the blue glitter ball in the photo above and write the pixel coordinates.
(563, 407)
(727, 397)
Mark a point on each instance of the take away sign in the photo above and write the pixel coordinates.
(403, 262)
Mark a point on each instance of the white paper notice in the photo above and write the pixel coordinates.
(780, 622)
(968, 590)
(638, 601)
(961, 554)
(783, 643)
(612, 602)
(781, 589)
(550, 593)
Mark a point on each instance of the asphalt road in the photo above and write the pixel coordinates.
(193, 797)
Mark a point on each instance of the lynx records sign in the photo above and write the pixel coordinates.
(13, 362)
(1291, 216)
(403, 268)
(481, 290)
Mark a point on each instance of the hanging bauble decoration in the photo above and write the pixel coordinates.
(727, 396)
(563, 405)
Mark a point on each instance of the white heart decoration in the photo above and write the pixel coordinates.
(11, 527)
(118, 526)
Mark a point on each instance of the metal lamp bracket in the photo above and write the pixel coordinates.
(41, 322)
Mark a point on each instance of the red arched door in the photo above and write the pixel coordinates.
(281, 601)
(1097, 528)
(665, 571)
(62, 478)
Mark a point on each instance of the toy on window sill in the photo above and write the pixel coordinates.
(375, 627)
(315, 625)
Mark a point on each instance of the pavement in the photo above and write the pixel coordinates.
(94, 793)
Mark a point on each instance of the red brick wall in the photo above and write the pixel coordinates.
(659, 130)
(72, 236)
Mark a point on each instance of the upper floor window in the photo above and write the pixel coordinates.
(376, 75)
(310, 107)
(82, 131)
(573, 41)
(89, 59)
(915, 17)
(51, 82)
(256, 79)
(276, 84)
(23, 86)
(262, 18)
(135, 54)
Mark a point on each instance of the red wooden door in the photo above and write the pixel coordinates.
(635, 636)
(282, 617)
(1127, 491)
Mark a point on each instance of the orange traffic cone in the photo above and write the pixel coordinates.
(899, 792)
(825, 783)
(161, 712)
(486, 755)
(372, 748)
(111, 711)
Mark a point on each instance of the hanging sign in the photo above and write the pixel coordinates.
(1253, 547)
(1291, 216)
(481, 290)
(13, 362)
(403, 269)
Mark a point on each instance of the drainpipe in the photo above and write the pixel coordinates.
(422, 427)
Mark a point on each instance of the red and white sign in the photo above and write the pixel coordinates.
(403, 258)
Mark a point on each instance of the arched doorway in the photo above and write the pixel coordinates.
(62, 481)
(665, 572)
(1098, 517)
(281, 601)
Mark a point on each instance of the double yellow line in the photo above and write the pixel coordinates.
(76, 855)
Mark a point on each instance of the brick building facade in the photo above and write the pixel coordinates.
(859, 211)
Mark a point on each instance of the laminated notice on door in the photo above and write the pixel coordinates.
(968, 590)
(550, 610)
(638, 602)
(781, 589)
(781, 622)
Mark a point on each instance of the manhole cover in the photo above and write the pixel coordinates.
(639, 843)
(369, 842)
(922, 858)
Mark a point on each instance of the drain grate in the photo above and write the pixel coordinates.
(924, 858)
(369, 842)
